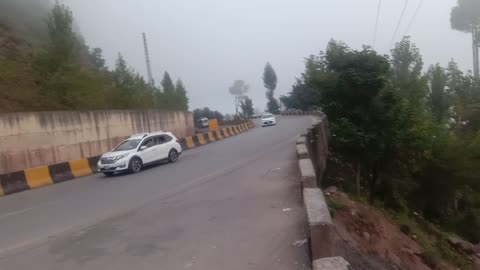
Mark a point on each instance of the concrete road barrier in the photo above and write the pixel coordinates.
(312, 152)
(319, 223)
(332, 263)
(302, 151)
(38, 177)
(307, 173)
(302, 140)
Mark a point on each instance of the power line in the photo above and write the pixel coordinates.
(420, 4)
(399, 22)
(376, 23)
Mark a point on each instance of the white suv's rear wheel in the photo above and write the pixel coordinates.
(135, 165)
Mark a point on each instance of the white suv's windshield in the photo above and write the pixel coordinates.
(127, 145)
(267, 115)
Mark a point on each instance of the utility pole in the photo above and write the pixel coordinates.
(147, 60)
(475, 45)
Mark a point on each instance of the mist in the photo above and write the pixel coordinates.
(25, 17)
(211, 43)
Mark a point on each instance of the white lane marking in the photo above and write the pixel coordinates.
(25, 210)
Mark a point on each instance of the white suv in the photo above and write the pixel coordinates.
(138, 151)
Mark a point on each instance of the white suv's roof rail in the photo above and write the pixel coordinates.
(143, 135)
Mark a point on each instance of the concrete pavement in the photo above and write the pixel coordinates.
(234, 204)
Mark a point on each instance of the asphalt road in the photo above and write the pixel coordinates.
(234, 204)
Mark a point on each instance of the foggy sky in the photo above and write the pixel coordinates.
(211, 43)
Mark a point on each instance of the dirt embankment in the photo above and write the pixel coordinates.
(370, 240)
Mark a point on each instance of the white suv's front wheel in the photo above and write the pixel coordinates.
(135, 165)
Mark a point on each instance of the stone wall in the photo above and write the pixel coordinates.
(35, 139)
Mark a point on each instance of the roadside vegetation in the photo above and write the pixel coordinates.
(410, 138)
(405, 138)
(60, 72)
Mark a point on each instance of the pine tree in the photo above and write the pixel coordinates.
(270, 82)
(181, 94)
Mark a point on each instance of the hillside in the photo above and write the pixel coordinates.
(16, 81)
(25, 18)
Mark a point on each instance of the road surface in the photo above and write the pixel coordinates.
(234, 204)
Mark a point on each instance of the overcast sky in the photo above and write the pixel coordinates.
(211, 43)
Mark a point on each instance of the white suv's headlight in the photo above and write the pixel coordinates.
(120, 157)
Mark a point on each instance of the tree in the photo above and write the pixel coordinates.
(63, 44)
(207, 113)
(438, 96)
(167, 84)
(168, 92)
(181, 95)
(465, 17)
(247, 108)
(97, 59)
(238, 89)
(407, 79)
(270, 82)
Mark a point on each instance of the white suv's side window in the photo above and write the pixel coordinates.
(149, 142)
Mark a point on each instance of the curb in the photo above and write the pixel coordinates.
(38, 177)
(319, 222)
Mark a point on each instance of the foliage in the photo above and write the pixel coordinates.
(438, 97)
(67, 75)
(238, 88)
(269, 77)
(207, 113)
(181, 96)
(412, 137)
(247, 108)
(466, 15)
(270, 82)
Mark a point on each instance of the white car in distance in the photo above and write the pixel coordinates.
(268, 119)
(139, 150)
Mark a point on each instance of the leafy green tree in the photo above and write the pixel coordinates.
(247, 108)
(63, 44)
(270, 82)
(181, 94)
(407, 77)
(438, 97)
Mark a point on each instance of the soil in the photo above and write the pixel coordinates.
(367, 239)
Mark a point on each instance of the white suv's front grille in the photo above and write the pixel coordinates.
(107, 161)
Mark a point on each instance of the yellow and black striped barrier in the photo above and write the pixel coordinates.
(53, 174)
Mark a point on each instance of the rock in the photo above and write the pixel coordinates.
(454, 240)
(476, 263)
(331, 189)
(476, 248)
(395, 259)
(414, 237)
(466, 247)
(408, 251)
(366, 235)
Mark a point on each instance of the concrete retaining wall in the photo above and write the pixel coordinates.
(34, 139)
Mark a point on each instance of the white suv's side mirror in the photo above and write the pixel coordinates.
(143, 147)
